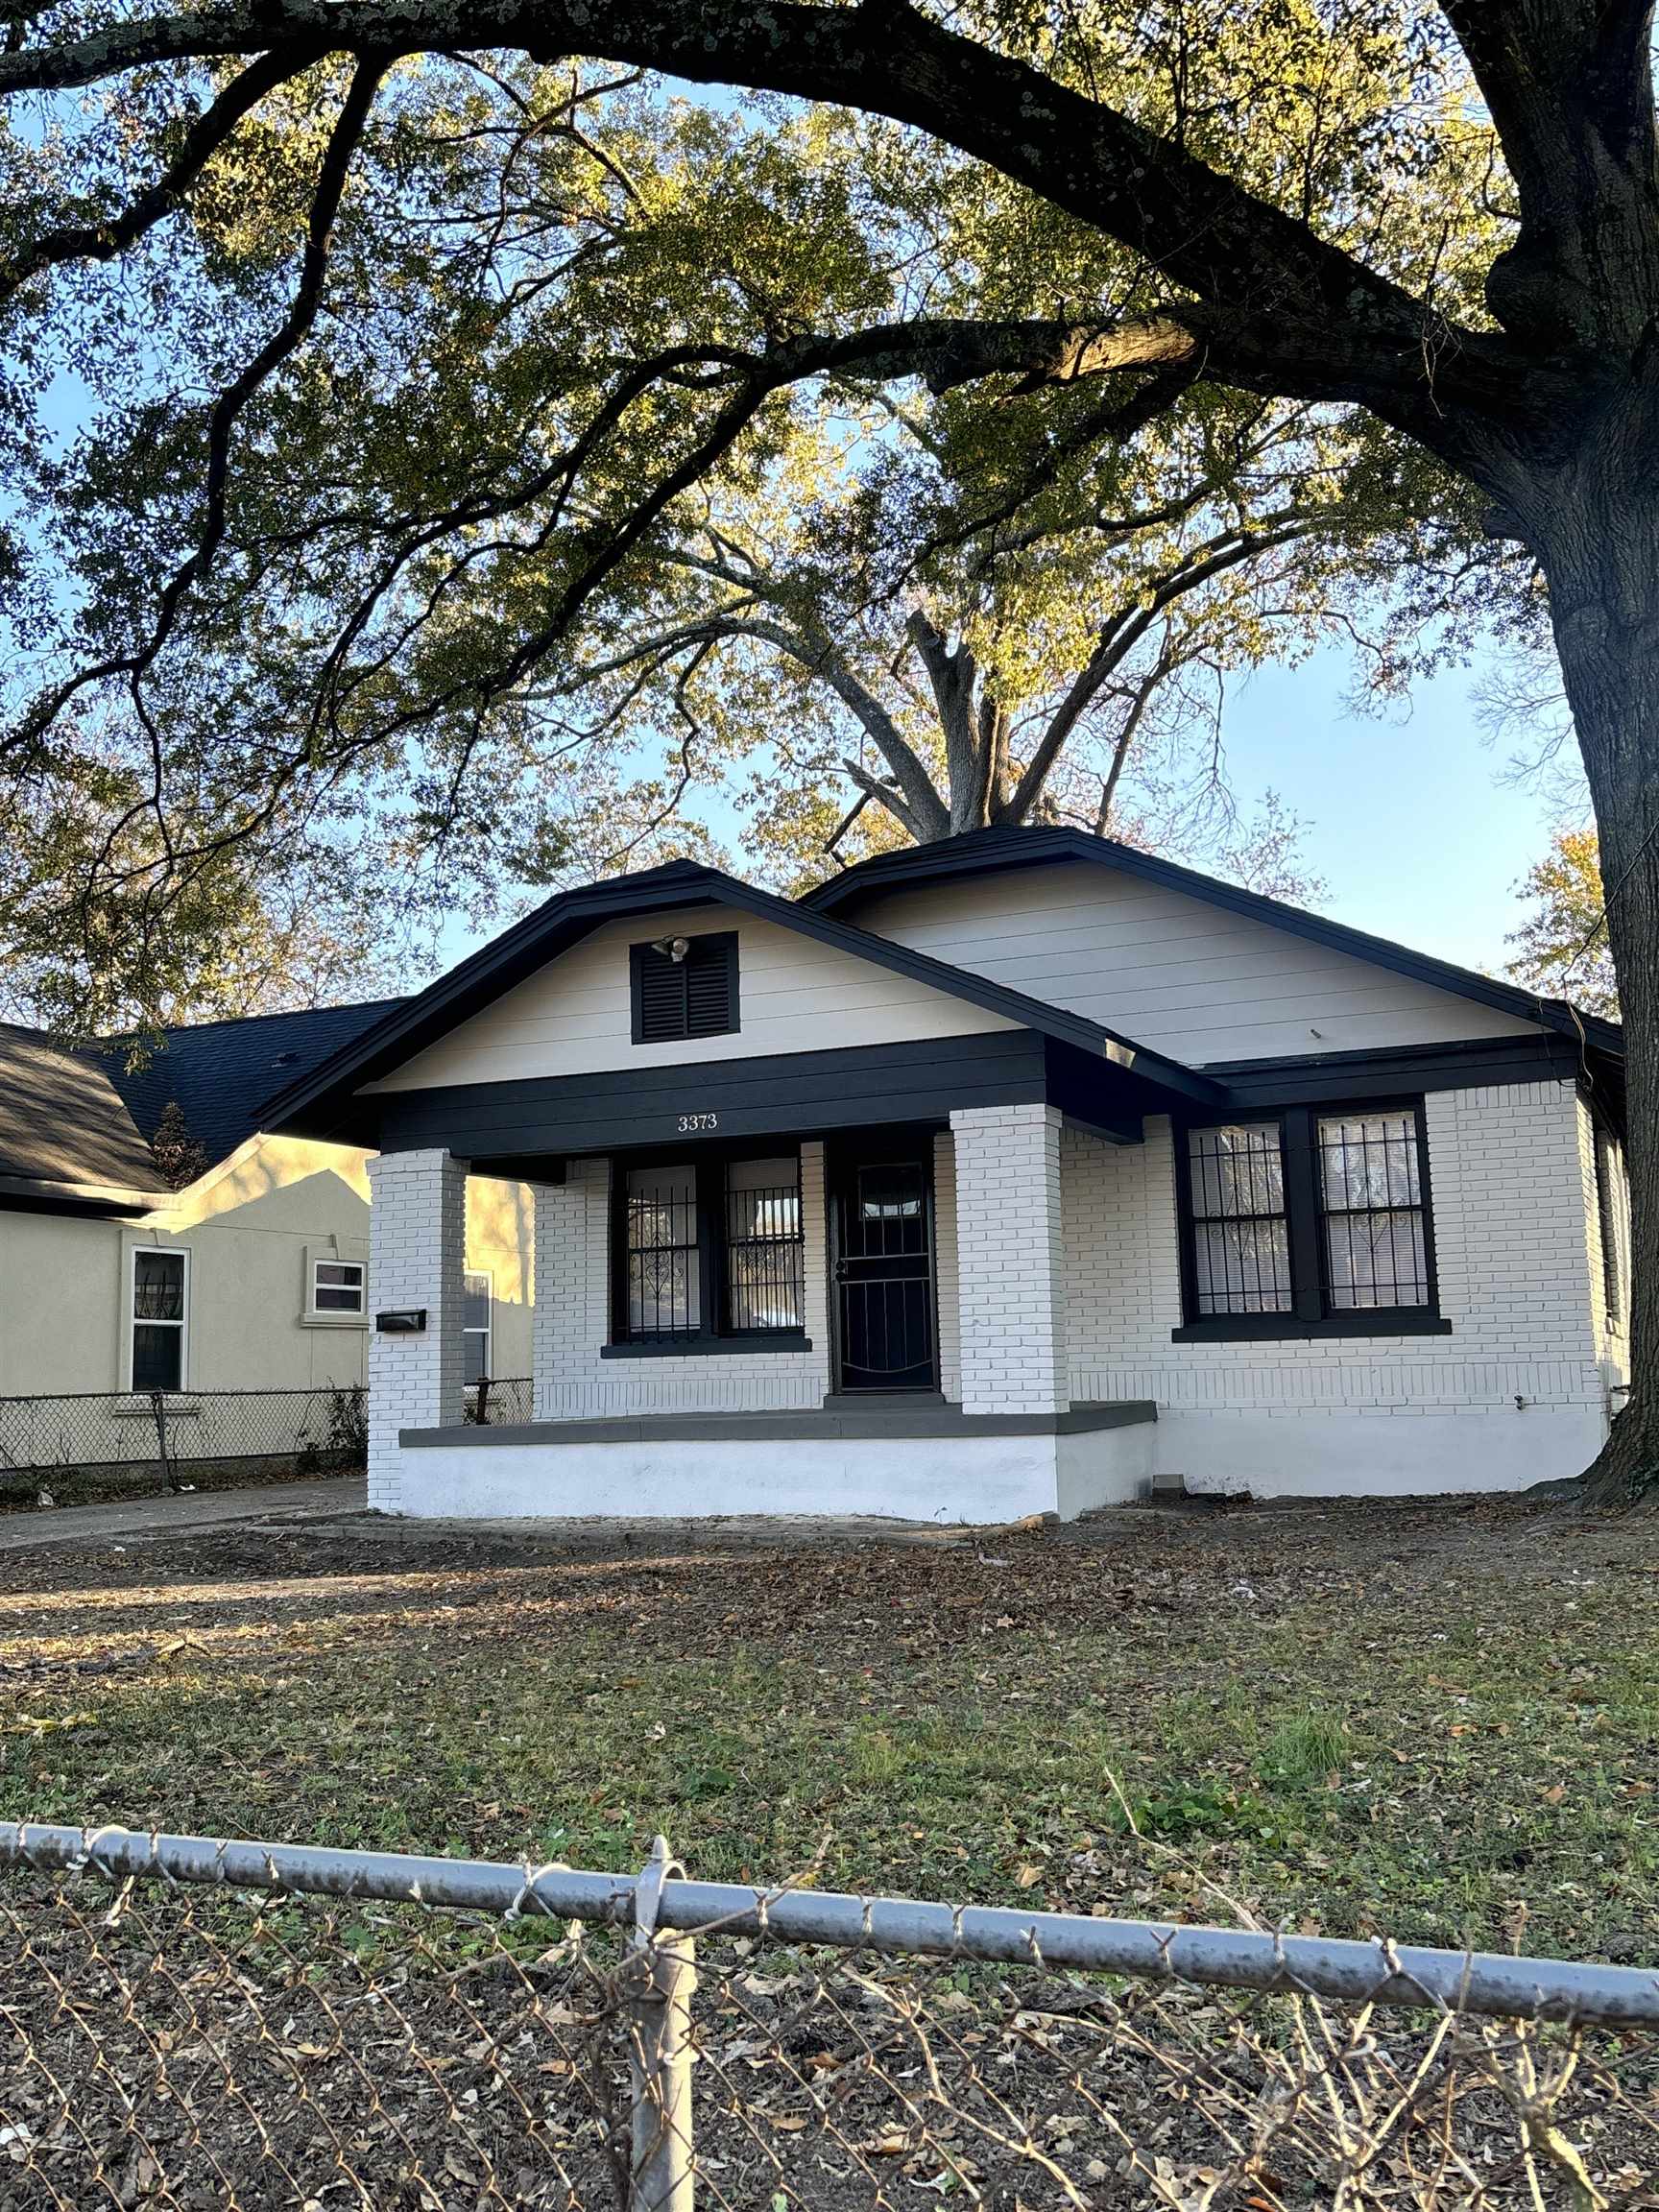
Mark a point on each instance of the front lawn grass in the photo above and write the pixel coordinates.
(1438, 1722)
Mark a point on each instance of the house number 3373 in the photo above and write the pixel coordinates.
(689, 1122)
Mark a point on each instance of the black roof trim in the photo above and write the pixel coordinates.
(572, 915)
(982, 850)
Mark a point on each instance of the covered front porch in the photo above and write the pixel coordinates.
(869, 1319)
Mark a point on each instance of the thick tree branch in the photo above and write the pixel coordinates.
(1285, 310)
(226, 409)
(103, 241)
(1569, 86)
(954, 675)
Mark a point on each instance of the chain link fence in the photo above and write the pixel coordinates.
(103, 1444)
(498, 1405)
(192, 2023)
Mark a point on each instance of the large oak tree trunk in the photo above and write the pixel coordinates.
(1596, 530)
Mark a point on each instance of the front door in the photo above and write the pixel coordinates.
(884, 1224)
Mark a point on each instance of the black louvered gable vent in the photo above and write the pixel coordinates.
(695, 996)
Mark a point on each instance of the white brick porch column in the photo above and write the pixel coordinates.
(417, 1257)
(1010, 1260)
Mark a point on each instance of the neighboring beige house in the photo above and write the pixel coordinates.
(254, 1275)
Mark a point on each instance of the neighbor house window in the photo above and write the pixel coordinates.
(1240, 1231)
(337, 1286)
(1302, 1219)
(684, 987)
(159, 1299)
(476, 1323)
(710, 1249)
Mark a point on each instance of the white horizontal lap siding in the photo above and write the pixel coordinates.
(1172, 971)
(575, 1016)
(1513, 1260)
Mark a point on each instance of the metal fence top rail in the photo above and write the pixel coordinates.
(141, 1400)
(1350, 1972)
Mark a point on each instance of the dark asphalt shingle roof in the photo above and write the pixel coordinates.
(81, 1115)
(222, 1072)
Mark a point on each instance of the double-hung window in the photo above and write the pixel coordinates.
(707, 1250)
(1306, 1221)
(337, 1286)
(160, 1317)
(475, 1322)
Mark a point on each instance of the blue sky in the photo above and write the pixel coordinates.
(1409, 818)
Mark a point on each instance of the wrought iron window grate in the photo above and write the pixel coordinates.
(664, 1282)
(1241, 1242)
(1371, 1198)
(765, 1261)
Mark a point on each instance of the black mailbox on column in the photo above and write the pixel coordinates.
(401, 1321)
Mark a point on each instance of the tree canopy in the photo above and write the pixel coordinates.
(579, 447)
(1561, 948)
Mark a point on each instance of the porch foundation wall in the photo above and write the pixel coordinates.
(1514, 1395)
(946, 1479)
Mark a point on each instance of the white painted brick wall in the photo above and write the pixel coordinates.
(1010, 1260)
(572, 1324)
(417, 1257)
(1510, 1208)
(945, 1266)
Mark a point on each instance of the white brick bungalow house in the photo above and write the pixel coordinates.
(1004, 1176)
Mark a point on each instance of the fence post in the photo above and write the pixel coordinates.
(159, 1407)
(483, 1401)
(660, 1977)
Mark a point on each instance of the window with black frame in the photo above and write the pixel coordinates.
(665, 1294)
(1613, 1219)
(711, 1250)
(1305, 1221)
(1371, 1205)
(1240, 1229)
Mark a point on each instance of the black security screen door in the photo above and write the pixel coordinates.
(885, 1273)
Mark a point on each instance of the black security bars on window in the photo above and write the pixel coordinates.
(664, 1277)
(1241, 1232)
(1309, 1222)
(1371, 1196)
(1611, 1217)
(766, 1266)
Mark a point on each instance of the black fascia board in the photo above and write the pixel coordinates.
(983, 852)
(322, 1102)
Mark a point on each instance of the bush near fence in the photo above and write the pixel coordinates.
(111, 1443)
(193, 2022)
